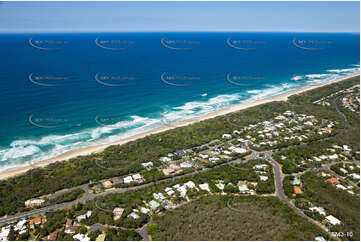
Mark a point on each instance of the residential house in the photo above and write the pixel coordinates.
(333, 180)
(186, 165)
(202, 160)
(263, 178)
(118, 212)
(147, 165)
(154, 205)
(84, 216)
(226, 136)
(319, 210)
(297, 190)
(204, 187)
(81, 237)
(332, 220)
(137, 178)
(37, 221)
(133, 215)
(52, 236)
(144, 210)
(128, 179)
(107, 184)
(34, 203)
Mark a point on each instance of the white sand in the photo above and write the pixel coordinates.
(98, 148)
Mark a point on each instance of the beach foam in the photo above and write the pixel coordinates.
(22, 151)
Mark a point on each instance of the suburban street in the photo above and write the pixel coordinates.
(278, 177)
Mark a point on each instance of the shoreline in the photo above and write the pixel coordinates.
(11, 172)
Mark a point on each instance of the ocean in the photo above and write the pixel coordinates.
(61, 92)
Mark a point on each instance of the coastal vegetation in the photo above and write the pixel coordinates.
(233, 218)
(341, 204)
(119, 160)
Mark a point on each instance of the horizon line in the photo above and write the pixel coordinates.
(179, 31)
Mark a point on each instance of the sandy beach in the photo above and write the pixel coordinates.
(98, 148)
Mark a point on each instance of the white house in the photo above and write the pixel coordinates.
(332, 220)
(263, 178)
(147, 164)
(226, 136)
(117, 212)
(190, 185)
(154, 205)
(169, 191)
(204, 187)
(34, 202)
(186, 165)
(239, 150)
(84, 216)
(243, 189)
(182, 190)
(81, 237)
(319, 210)
(133, 215)
(128, 179)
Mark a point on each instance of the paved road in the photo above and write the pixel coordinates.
(87, 196)
(268, 155)
(281, 194)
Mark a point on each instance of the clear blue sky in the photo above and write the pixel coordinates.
(23, 17)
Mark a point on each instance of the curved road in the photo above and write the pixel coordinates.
(278, 187)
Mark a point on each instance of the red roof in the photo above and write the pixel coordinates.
(202, 160)
(53, 236)
(333, 180)
(38, 220)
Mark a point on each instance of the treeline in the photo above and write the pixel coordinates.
(233, 218)
(67, 197)
(336, 202)
(119, 160)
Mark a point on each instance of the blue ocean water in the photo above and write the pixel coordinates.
(65, 91)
